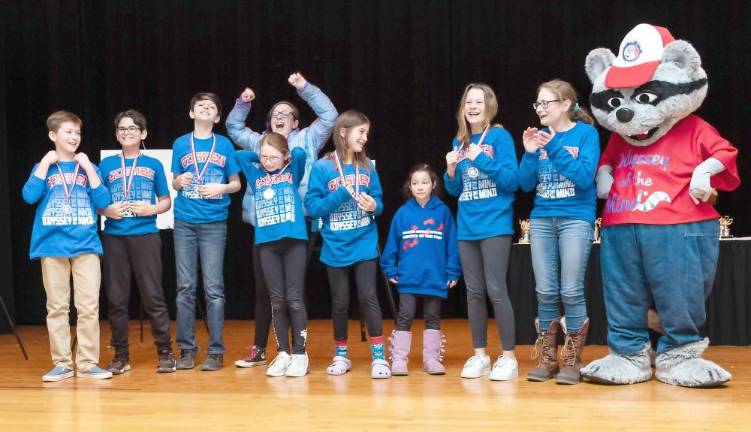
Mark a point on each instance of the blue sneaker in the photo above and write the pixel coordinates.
(58, 373)
(94, 372)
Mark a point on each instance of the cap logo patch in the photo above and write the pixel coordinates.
(631, 51)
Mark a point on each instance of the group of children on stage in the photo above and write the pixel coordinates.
(289, 190)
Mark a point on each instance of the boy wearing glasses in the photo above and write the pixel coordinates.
(283, 118)
(132, 246)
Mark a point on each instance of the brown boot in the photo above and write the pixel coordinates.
(571, 354)
(544, 350)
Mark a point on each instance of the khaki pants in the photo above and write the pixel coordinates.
(86, 280)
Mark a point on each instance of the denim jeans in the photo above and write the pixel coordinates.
(560, 251)
(207, 241)
(672, 265)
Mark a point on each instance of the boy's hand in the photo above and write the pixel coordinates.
(82, 160)
(211, 190)
(297, 80)
(50, 158)
(185, 179)
(141, 208)
(247, 95)
(116, 210)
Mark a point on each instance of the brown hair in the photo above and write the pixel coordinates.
(463, 134)
(295, 111)
(421, 167)
(565, 91)
(57, 118)
(347, 120)
(275, 141)
(206, 96)
(138, 118)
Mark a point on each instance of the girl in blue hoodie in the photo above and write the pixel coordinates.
(345, 192)
(421, 258)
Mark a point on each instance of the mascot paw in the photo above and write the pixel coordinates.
(620, 369)
(684, 366)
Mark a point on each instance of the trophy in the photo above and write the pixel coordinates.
(725, 223)
(598, 226)
(524, 224)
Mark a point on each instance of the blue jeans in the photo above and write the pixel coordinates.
(672, 265)
(560, 251)
(207, 241)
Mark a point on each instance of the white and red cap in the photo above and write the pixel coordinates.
(638, 57)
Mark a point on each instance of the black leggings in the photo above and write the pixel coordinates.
(365, 278)
(431, 311)
(263, 303)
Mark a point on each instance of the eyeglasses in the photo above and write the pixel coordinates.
(543, 103)
(131, 129)
(281, 115)
(269, 158)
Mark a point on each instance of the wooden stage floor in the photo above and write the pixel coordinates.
(247, 400)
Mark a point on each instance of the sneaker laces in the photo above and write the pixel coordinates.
(472, 360)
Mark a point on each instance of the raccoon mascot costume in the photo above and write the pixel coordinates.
(660, 238)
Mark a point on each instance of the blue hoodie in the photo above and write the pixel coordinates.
(311, 139)
(280, 215)
(64, 228)
(564, 174)
(421, 250)
(349, 234)
(485, 187)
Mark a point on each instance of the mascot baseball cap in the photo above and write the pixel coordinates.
(638, 57)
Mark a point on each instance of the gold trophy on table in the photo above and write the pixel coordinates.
(725, 223)
(524, 224)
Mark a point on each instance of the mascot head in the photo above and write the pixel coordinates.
(653, 83)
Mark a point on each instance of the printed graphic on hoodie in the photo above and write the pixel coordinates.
(552, 184)
(476, 184)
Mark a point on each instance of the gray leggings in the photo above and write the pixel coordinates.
(365, 278)
(485, 263)
(431, 311)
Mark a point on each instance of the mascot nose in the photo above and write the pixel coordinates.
(624, 115)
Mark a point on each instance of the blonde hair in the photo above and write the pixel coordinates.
(348, 120)
(57, 118)
(463, 134)
(565, 91)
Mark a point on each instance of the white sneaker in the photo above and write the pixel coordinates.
(279, 366)
(504, 369)
(475, 367)
(298, 365)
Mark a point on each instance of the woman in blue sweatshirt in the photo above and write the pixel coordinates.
(422, 259)
(481, 171)
(560, 162)
(345, 192)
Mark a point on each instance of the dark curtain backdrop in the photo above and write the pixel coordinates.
(403, 63)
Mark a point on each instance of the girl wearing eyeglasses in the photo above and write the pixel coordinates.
(559, 162)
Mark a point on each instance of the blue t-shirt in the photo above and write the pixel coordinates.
(190, 206)
(278, 207)
(349, 234)
(485, 187)
(147, 185)
(64, 227)
(563, 173)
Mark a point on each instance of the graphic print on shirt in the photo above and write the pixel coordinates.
(475, 183)
(141, 191)
(60, 210)
(280, 207)
(551, 184)
(412, 236)
(349, 216)
(214, 173)
(633, 184)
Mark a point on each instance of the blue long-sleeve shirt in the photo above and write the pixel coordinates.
(563, 174)
(64, 227)
(421, 250)
(311, 139)
(349, 234)
(485, 187)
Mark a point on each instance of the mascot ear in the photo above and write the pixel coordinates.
(598, 61)
(684, 55)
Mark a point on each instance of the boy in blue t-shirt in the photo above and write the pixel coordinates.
(68, 189)
(132, 245)
(204, 172)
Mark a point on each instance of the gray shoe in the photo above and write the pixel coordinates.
(213, 362)
(187, 360)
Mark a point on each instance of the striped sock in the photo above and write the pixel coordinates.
(376, 348)
(341, 349)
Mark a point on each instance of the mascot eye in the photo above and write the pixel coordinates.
(645, 97)
(614, 102)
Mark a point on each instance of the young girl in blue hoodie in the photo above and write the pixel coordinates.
(421, 258)
(280, 236)
(345, 192)
(481, 171)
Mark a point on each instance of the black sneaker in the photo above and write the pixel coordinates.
(166, 363)
(256, 357)
(187, 360)
(118, 366)
(213, 362)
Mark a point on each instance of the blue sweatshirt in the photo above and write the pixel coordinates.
(189, 205)
(64, 228)
(278, 213)
(311, 139)
(349, 234)
(421, 251)
(149, 183)
(563, 173)
(485, 187)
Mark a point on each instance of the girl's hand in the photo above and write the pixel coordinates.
(544, 138)
(297, 80)
(366, 202)
(529, 138)
(247, 95)
(142, 209)
(185, 179)
(451, 283)
(451, 159)
(473, 151)
(211, 190)
(394, 280)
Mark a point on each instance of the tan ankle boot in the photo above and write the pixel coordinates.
(571, 354)
(544, 351)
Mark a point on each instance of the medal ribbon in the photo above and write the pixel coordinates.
(67, 192)
(199, 175)
(128, 182)
(341, 174)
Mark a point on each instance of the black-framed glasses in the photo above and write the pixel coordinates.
(131, 129)
(543, 103)
(282, 115)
